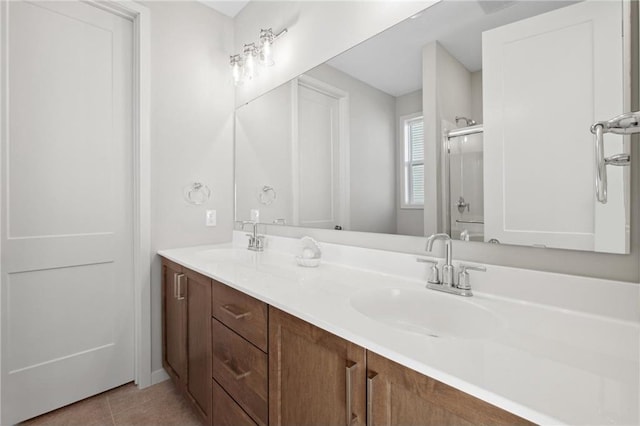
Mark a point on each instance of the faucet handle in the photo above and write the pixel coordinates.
(463, 275)
(434, 274)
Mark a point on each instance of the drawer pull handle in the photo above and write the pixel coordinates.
(351, 418)
(370, 382)
(235, 312)
(177, 286)
(236, 373)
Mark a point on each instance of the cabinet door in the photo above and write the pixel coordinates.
(315, 377)
(174, 321)
(397, 395)
(199, 341)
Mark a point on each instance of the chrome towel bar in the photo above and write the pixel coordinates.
(625, 124)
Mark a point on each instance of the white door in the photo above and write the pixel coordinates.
(318, 156)
(67, 245)
(546, 80)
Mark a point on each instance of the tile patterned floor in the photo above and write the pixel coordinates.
(158, 405)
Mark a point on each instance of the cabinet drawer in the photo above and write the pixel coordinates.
(225, 410)
(241, 369)
(241, 313)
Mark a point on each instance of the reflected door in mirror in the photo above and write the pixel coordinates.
(538, 147)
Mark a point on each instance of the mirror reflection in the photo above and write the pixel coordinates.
(470, 118)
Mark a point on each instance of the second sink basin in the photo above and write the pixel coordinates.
(429, 313)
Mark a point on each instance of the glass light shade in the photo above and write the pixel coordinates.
(266, 53)
(250, 71)
(237, 74)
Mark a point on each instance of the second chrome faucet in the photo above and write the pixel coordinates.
(448, 283)
(256, 242)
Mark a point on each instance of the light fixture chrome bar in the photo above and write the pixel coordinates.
(624, 124)
(465, 131)
(281, 33)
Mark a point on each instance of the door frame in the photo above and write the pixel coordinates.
(140, 17)
(344, 148)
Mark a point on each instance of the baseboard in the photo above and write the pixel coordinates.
(158, 376)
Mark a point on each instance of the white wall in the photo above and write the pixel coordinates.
(263, 155)
(409, 221)
(318, 31)
(372, 151)
(191, 133)
(476, 97)
(446, 94)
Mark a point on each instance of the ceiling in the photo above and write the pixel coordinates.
(227, 7)
(392, 60)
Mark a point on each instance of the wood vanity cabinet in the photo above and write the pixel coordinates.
(174, 322)
(239, 361)
(397, 395)
(242, 362)
(315, 377)
(187, 334)
(199, 342)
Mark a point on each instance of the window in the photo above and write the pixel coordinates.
(413, 161)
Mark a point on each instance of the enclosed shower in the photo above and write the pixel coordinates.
(463, 180)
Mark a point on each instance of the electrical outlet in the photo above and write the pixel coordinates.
(210, 218)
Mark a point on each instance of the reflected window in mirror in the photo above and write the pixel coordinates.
(413, 161)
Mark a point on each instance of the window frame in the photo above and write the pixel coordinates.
(406, 165)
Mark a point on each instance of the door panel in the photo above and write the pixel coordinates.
(539, 156)
(67, 245)
(34, 322)
(319, 161)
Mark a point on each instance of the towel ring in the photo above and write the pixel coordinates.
(267, 195)
(197, 193)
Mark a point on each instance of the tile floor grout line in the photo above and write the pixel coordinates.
(113, 419)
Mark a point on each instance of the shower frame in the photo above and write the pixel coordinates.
(447, 135)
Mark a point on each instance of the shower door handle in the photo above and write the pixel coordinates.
(625, 124)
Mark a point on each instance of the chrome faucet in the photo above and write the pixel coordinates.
(461, 286)
(447, 268)
(256, 242)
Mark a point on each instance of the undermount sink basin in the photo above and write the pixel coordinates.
(428, 313)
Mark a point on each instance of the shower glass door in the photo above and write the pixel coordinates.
(465, 181)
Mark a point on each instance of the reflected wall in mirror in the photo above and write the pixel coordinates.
(472, 118)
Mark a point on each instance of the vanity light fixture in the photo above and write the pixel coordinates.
(236, 67)
(250, 54)
(245, 66)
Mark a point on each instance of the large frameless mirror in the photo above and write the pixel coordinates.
(472, 118)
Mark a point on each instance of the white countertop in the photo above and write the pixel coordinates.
(550, 364)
